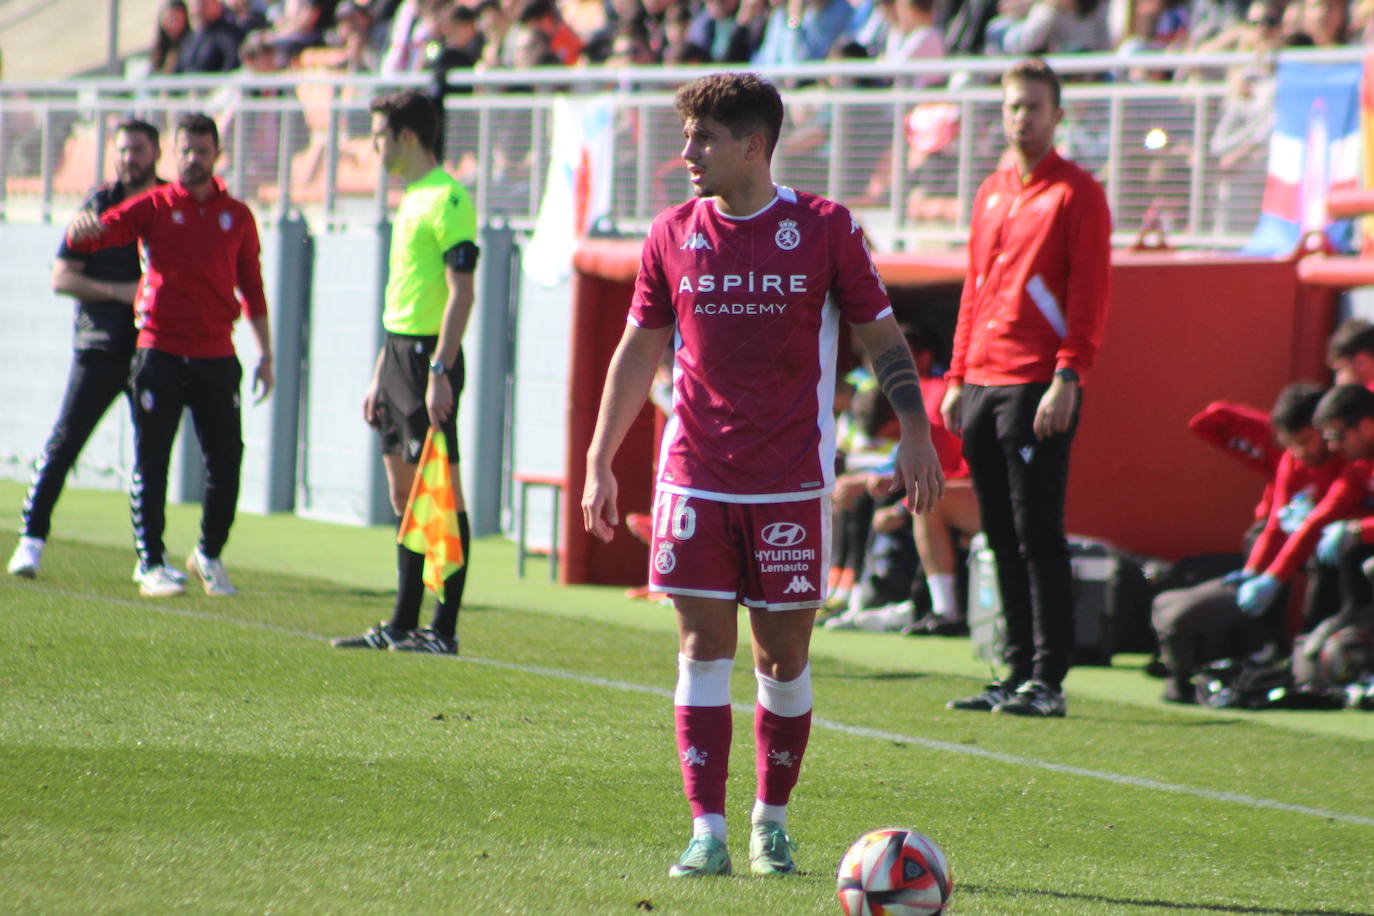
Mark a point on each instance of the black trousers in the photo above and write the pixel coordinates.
(1020, 482)
(96, 378)
(163, 385)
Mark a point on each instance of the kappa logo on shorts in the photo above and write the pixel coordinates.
(1027, 452)
(414, 446)
(798, 586)
(665, 561)
(783, 534)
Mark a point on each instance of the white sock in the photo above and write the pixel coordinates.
(775, 813)
(709, 825)
(942, 599)
(703, 683)
(785, 698)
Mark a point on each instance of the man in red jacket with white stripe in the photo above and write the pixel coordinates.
(201, 245)
(1030, 323)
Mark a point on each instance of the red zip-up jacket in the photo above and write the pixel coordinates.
(198, 253)
(1293, 477)
(1035, 298)
(1351, 496)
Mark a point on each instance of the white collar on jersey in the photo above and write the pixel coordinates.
(780, 192)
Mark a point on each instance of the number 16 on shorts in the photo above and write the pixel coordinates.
(761, 554)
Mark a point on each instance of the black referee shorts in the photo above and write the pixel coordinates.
(402, 418)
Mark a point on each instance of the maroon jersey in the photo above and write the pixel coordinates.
(756, 301)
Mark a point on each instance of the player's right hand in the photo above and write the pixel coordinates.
(599, 516)
(86, 224)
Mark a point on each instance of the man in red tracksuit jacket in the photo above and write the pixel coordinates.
(201, 245)
(1030, 323)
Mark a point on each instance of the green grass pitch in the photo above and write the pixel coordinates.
(194, 755)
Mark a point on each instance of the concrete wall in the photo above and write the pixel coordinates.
(331, 455)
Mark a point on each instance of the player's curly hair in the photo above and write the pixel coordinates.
(743, 102)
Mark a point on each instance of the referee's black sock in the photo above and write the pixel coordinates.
(410, 589)
(446, 614)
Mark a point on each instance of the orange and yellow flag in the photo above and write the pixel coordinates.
(430, 523)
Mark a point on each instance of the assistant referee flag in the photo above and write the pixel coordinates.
(430, 523)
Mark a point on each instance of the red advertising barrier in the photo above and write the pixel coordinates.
(1184, 329)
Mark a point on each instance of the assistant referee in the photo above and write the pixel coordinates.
(419, 372)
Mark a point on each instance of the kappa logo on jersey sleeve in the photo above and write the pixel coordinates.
(695, 242)
(788, 236)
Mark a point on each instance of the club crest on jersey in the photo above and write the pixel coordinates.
(695, 242)
(665, 561)
(226, 221)
(178, 217)
(787, 236)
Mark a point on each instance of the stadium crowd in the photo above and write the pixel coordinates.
(403, 36)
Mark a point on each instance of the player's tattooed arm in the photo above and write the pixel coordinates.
(896, 373)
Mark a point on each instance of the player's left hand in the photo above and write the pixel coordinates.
(439, 400)
(1055, 413)
(918, 472)
(263, 380)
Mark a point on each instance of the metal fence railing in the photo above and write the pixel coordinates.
(907, 159)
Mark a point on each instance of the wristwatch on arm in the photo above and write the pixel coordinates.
(1066, 375)
(436, 368)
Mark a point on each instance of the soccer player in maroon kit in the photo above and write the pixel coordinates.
(749, 281)
(201, 245)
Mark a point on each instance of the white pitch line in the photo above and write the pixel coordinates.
(858, 731)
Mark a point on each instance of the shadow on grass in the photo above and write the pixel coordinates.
(1182, 906)
(873, 676)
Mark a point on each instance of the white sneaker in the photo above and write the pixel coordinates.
(158, 582)
(175, 574)
(211, 574)
(28, 554)
(842, 621)
(888, 619)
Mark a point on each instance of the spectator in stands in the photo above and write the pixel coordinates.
(462, 47)
(678, 49)
(173, 28)
(246, 15)
(1051, 27)
(544, 17)
(631, 46)
(1326, 22)
(617, 13)
(354, 31)
(213, 46)
(1207, 621)
(797, 31)
(726, 37)
(302, 24)
(409, 36)
(913, 36)
(1350, 353)
(258, 54)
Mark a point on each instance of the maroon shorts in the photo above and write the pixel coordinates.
(766, 555)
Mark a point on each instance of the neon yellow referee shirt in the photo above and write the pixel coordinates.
(436, 213)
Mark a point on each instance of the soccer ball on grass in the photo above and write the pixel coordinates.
(894, 872)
